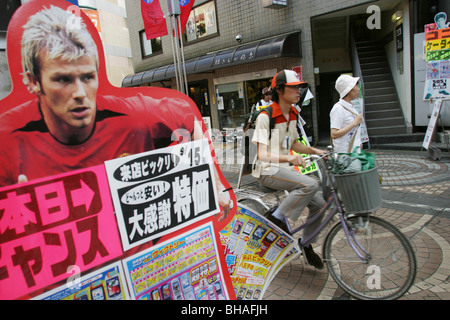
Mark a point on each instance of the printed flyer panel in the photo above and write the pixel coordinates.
(437, 55)
(49, 225)
(161, 191)
(185, 268)
(107, 283)
(254, 250)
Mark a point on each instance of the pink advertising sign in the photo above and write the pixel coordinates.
(51, 227)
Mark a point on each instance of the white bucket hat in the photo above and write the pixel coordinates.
(345, 83)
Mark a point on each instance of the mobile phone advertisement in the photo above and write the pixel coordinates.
(255, 250)
(185, 268)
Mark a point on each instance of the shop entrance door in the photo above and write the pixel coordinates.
(198, 91)
(254, 91)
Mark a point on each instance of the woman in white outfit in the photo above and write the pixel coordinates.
(344, 118)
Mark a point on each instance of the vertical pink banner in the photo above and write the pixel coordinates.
(53, 226)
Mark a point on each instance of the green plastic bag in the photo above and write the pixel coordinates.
(346, 164)
(367, 158)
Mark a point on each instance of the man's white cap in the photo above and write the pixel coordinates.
(345, 83)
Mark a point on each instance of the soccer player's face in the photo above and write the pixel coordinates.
(67, 93)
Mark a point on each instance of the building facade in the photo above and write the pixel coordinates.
(233, 48)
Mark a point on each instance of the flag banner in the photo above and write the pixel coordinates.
(185, 7)
(154, 20)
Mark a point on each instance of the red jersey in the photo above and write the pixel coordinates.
(123, 126)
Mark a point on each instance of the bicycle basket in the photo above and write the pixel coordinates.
(360, 192)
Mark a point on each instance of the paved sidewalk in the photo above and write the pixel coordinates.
(416, 198)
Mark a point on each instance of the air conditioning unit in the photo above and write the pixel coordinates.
(274, 4)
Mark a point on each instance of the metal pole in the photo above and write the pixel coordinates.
(173, 53)
(177, 47)
(183, 62)
(178, 53)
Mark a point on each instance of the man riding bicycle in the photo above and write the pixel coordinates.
(274, 164)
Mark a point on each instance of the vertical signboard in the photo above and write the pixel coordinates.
(437, 55)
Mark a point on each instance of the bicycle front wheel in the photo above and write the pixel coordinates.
(388, 267)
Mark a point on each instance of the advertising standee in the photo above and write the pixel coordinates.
(59, 222)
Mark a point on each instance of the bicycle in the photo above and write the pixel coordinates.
(368, 257)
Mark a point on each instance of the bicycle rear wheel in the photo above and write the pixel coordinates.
(390, 266)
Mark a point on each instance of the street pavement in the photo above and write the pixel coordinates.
(416, 198)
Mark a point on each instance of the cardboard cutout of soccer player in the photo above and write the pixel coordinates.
(63, 114)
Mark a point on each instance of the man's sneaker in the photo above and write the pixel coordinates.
(312, 258)
(278, 223)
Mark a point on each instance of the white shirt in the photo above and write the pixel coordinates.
(263, 103)
(339, 118)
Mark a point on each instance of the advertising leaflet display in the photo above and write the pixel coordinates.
(255, 250)
(107, 283)
(437, 55)
(185, 268)
(158, 192)
(49, 225)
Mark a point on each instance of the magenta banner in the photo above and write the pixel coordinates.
(52, 226)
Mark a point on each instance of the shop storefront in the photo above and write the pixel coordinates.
(226, 84)
(237, 94)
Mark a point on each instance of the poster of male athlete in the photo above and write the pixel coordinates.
(63, 115)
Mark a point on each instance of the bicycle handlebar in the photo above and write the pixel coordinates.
(331, 154)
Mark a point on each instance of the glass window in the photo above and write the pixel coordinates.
(230, 101)
(149, 47)
(202, 22)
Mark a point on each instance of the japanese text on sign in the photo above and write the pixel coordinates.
(170, 188)
(49, 226)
